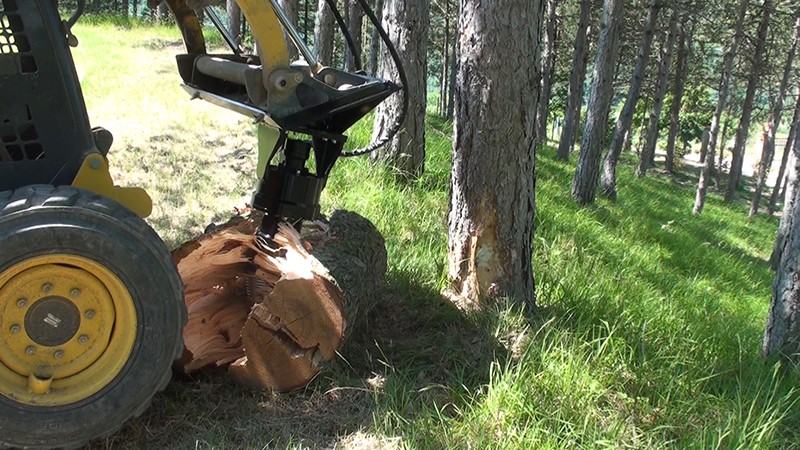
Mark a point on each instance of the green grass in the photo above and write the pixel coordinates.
(646, 336)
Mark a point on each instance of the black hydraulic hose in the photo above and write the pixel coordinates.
(401, 73)
(345, 32)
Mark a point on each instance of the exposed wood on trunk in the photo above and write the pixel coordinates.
(493, 174)
(625, 120)
(768, 150)
(584, 185)
(722, 97)
(577, 78)
(787, 150)
(276, 318)
(548, 70)
(678, 85)
(662, 83)
(747, 106)
(723, 140)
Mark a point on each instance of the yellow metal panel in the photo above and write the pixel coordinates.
(94, 176)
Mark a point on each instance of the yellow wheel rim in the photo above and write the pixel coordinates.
(68, 327)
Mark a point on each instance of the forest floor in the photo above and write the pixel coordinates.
(647, 332)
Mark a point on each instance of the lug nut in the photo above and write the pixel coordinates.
(89, 313)
(83, 339)
(47, 287)
(30, 351)
(59, 354)
(22, 302)
(15, 329)
(75, 293)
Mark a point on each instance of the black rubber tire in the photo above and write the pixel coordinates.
(40, 220)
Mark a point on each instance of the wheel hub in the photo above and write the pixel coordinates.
(52, 321)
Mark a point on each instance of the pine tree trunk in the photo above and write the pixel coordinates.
(375, 41)
(782, 333)
(624, 121)
(787, 150)
(234, 20)
(788, 208)
(354, 26)
(451, 91)
(494, 156)
(548, 70)
(584, 185)
(406, 23)
(747, 106)
(723, 140)
(445, 75)
(722, 97)
(577, 78)
(662, 84)
(290, 7)
(678, 85)
(323, 34)
(768, 151)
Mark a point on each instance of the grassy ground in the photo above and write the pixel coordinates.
(647, 333)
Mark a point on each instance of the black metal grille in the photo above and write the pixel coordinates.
(15, 50)
(19, 140)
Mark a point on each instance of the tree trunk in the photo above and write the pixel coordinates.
(323, 34)
(275, 318)
(577, 77)
(747, 106)
(722, 97)
(290, 7)
(494, 155)
(609, 177)
(375, 41)
(445, 76)
(665, 56)
(451, 94)
(235, 20)
(354, 26)
(768, 151)
(548, 70)
(406, 23)
(584, 185)
(782, 333)
(773, 199)
(678, 85)
(723, 140)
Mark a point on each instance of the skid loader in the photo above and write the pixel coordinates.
(91, 304)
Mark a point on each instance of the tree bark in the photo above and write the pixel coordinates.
(773, 199)
(406, 23)
(577, 78)
(323, 34)
(723, 139)
(354, 26)
(584, 185)
(788, 208)
(722, 97)
(375, 41)
(445, 75)
(747, 106)
(678, 87)
(290, 7)
(548, 70)
(276, 318)
(494, 155)
(782, 333)
(609, 177)
(234, 20)
(665, 56)
(768, 150)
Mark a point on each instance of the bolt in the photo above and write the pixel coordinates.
(330, 79)
(83, 339)
(94, 163)
(15, 329)
(89, 313)
(59, 354)
(47, 287)
(298, 78)
(22, 302)
(30, 351)
(75, 293)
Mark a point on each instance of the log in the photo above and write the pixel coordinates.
(275, 318)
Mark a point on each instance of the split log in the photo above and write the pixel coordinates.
(276, 318)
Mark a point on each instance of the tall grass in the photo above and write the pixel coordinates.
(646, 335)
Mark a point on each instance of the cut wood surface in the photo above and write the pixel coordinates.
(276, 318)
